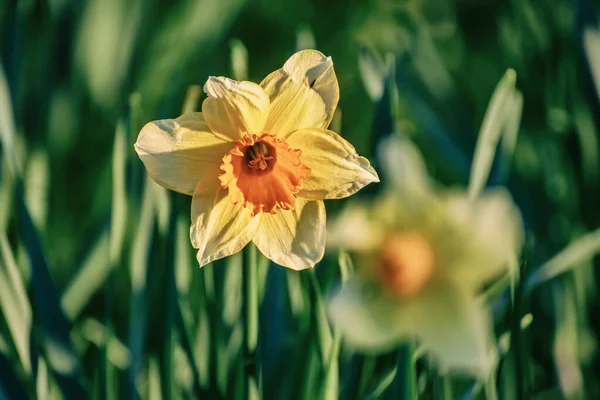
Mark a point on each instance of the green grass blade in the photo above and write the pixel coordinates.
(15, 303)
(185, 326)
(56, 341)
(140, 258)
(42, 384)
(6, 197)
(102, 336)
(591, 44)
(252, 384)
(511, 135)
(60, 354)
(10, 387)
(190, 27)
(239, 60)
(90, 277)
(192, 97)
(7, 127)
(36, 185)
(171, 303)
(154, 375)
(581, 250)
(327, 343)
(118, 216)
(566, 342)
(492, 127)
(95, 270)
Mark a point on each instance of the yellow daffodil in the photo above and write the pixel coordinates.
(423, 255)
(259, 162)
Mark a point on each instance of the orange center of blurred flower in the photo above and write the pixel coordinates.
(407, 263)
(263, 173)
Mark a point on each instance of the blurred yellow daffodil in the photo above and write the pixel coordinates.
(259, 162)
(423, 255)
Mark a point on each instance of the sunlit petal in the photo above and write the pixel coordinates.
(234, 108)
(454, 327)
(353, 230)
(367, 320)
(178, 152)
(404, 168)
(294, 238)
(337, 171)
(220, 228)
(304, 93)
(496, 233)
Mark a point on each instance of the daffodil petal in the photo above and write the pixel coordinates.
(219, 227)
(304, 93)
(353, 229)
(454, 327)
(367, 320)
(178, 152)
(337, 171)
(234, 108)
(405, 169)
(495, 230)
(294, 238)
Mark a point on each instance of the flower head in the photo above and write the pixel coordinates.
(259, 162)
(423, 255)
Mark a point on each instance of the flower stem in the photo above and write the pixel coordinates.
(250, 315)
(406, 372)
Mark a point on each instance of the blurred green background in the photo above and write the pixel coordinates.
(100, 293)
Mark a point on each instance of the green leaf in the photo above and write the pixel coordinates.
(6, 197)
(581, 250)
(15, 303)
(591, 44)
(252, 385)
(154, 375)
(94, 270)
(7, 127)
(90, 277)
(566, 342)
(192, 97)
(239, 60)
(10, 387)
(60, 354)
(499, 119)
(140, 258)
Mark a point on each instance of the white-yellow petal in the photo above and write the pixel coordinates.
(337, 171)
(354, 230)
(405, 170)
(367, 320)
(179, 152)
(304, 93)
(454, 327)
(294, 238)
(493, 228)
(220, 228)
(234, 108)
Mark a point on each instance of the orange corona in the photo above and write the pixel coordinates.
(263, 173)
(406, 265)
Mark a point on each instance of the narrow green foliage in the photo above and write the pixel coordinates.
(503, 109)
(7, 127)
(582, 249)
(88, 279)
(140, 258)
(101, 296)
(252, 384)
(239, 60)
(15, 303)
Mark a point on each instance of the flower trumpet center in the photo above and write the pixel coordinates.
(263, 173)
(258, 155)
(406, 264)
